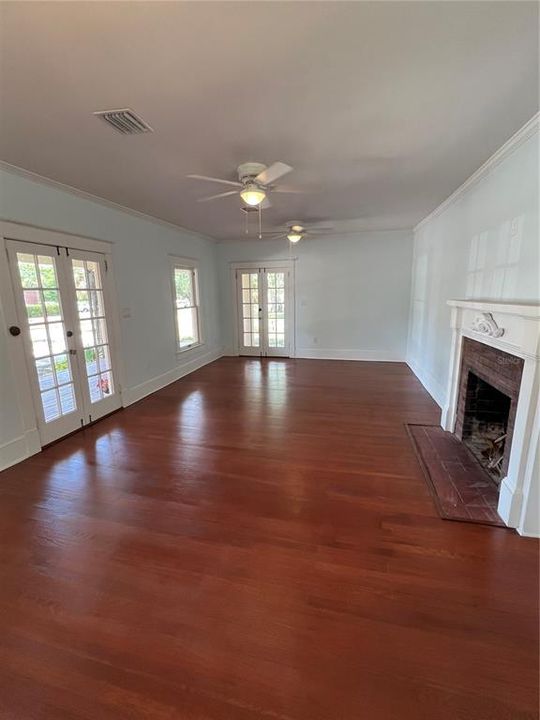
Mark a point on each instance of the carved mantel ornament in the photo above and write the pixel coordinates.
(486, 325)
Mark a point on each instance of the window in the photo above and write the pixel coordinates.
(186, 304)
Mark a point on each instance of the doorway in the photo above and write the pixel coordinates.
(264, 311)
(63, 310)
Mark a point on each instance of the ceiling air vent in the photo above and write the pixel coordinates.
(124, 121)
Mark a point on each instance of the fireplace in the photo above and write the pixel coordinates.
(492, 399)
(485, 426)
(489, 383)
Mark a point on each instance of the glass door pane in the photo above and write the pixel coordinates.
(93, 338)
(275, 313)
(44, 317)
(275, 310)
(249, 297)
(41, 296)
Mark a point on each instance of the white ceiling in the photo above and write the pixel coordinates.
(382, 108)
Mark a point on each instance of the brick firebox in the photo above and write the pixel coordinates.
(499, 369)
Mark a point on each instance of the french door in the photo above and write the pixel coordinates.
(264, 314)
(62, 308)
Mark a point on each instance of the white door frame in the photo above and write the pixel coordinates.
(289, 265)
(17, 355)
(243, 350)
(66, 423)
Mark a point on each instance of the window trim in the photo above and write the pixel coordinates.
(191, 264)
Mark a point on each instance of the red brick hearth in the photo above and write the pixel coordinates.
(464, 468)
(461, 488)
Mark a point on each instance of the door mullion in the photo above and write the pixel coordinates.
(24, 324)
(69, 304)
(263, 314)
(248, 311)
(97, 359)
(46, 370)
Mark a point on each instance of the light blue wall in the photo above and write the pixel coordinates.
(140, 249)
(352, 292)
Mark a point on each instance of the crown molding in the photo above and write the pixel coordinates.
(43, 180)
(510, 146)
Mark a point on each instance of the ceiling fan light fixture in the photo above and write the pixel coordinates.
(252, 195)
(294, 237)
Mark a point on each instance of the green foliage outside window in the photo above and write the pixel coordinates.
(36, 311)
(183, 283)
(27, 271)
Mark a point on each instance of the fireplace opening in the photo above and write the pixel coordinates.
(485, 424)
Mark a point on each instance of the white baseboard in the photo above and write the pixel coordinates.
(327, 354)
(431, 384)
(527, 533)
(138, 392)
(342, 354)
(17, 450)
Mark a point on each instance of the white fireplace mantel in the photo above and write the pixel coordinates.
(515, 329)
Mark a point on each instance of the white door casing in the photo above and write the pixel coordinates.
(50, 310)
(264, 312)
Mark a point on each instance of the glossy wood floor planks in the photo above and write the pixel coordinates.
(256, 542)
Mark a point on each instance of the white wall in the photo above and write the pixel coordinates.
(483, 244)
(352, 292)
(140, 249)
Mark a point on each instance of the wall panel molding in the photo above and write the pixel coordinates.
(18, 449)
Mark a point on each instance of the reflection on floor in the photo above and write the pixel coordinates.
(257, 541)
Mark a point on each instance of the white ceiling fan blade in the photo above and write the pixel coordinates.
(274, 233)
(322, 225)
(328, 233)
(273, 173)
(216, 180)
(289, 189)
(219, 195)
(266, 203)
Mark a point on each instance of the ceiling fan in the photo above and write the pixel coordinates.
(295, 231)
(255, 182)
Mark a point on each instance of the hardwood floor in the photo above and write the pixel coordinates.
(253, 542)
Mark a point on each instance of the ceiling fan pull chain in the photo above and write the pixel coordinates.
(260, 223)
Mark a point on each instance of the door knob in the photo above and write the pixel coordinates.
(14, 330)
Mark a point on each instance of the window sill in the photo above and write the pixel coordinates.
(184, 350)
